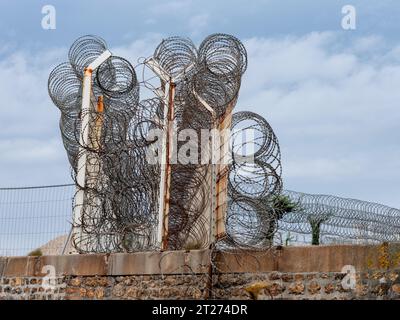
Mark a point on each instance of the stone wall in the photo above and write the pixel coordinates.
(186, 275)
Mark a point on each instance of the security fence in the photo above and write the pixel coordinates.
(35, 220)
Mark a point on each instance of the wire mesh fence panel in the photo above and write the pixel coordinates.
(290, 238)
(35, 218)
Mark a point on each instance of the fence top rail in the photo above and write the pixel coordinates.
(38, 187)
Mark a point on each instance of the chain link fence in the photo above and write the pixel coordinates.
(35, 220)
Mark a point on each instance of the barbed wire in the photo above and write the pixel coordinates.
(254, 182)
(48, 210)
(326, 215)
(35, 218)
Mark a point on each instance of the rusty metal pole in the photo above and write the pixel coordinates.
(222, 172)
(169, 151)
(83, 141)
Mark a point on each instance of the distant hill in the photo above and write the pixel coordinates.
(56, 246)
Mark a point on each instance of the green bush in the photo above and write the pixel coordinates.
(35, 253)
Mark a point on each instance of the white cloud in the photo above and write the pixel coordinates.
(334, 108)
(29, 136)
(198, 22)
(171, 7)
(368, 44)
(293, 60)
(25, 151)
(318, 166)
(140, 48)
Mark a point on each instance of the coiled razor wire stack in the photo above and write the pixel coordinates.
(341, 219)
(120, 192)
(254, 182)
(213, 73)
(121, 204)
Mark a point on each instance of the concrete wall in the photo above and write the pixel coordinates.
(285, 273)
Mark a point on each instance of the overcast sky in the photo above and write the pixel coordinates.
(331, 95)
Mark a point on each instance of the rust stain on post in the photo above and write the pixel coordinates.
(87, 71)
(98, 124)
(169, 146)
(224, 123)
(100, 104)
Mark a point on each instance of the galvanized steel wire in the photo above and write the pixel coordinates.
(341, 218)
(122, 189)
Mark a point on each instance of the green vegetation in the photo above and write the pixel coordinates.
(193, 245)
(35, 253)
(315, 223)
(315, 231)
(288, 239)
(281, 205)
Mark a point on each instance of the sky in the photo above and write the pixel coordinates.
(331, 95)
